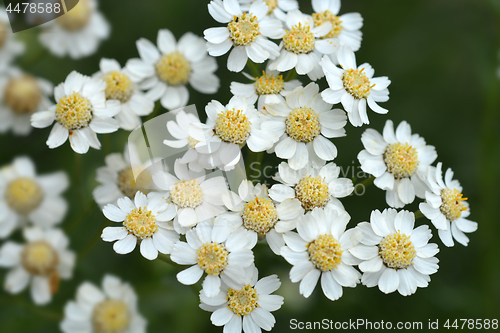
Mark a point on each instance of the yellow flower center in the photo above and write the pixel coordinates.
(303, 125)
(110, 316)
(232, 126)
(259, 215)
(327, 16)
(22, 94)
(118, 86)
(212, 258)
(192, 142)
(129, 186)
(39, 258)
(312, 192)
(3, 34)
(272, 4)
(187, 193)
(77, 18)
(74, 111)
(23, 195)
(299, 39)
(173, 69)
(242, 301)
(356, 83)
(397, 251)
(401, 160)
(243, 29)
(269, 84)
(453, 203)
(324, 253)
(141, 223)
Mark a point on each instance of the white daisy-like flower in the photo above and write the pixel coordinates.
(321, 249)
(247, 306)
(77, 33)
(253, 209)
(216, 250)
(354, 86)
(446, 207)
(81, 112)
(41, 262)
(123, 87)
(144, 220)
(270, 88)
(28, 197)
(303, 123)
(302, 46)
(393, 254)
(10, 47)
(112, 308)
(167, 69)
(398, 161)
(227, 129)
(190, 198)
(21, 95)
(277, 8)
(246, 31)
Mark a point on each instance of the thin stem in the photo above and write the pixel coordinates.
(166, 259)
(254, 68)
(155, 112)
(255, 165)
(362, 185)
(292, 74)
(418, 214)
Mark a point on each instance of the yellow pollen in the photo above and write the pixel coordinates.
(173, 69)
(299, 39)
(22, 94)
(141, 223)
(39, 258)
(243, 29)
(212, 258)
(77, 18)
(232, 126)
(3, 34)
(312, 192)
(118, 86)
(356, 83)
(453, 203)
(324, 252)
(186, 194)
(74, 111)
(259, 215)
(110, 316)
(128, 185)
(272, 4)
(303, 125)
(242, 301)
(401, 160)
(23, 195)
(269, 84)
(397, 251)
(192, 142)
(327, 16)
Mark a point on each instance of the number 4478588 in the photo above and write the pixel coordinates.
(35, 8)
(472, 324)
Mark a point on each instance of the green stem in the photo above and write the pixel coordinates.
(254, 68)
(155, 112)
(166, 259)
(256, 166)
(365, 183)
(418, 214)
(291, 75)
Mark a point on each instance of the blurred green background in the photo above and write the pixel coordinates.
(442, 57)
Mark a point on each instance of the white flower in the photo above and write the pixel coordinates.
(247, 306)
(246, 31)
(255, 211)
(76, 33)
(143, 221)
(43, 260)
(399, 162)
(277, 8)
(270, 88)
(190, 198)
(10, 47)
(81, 112)
(354, 86)
(446, 207)
(28, 197)
(393, 255)
(168, 68)
(216, 250)
(110, 309)
(20, 95)
(122, 86)
(321, 248)
(302, 46)
(303, 123)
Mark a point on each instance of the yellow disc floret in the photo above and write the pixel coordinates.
(141, 222)
(299, 39)
(303, 125)
(232, 126)
(325, 253)
(129, 186)
(23, 195)
(187, 193)
(401, 160)
(77, 18)
(243, 29)
(173, 69)
(356, 83)
(327, 16)
(272, 4)
(259, 215)
(212, 258)
(22, 94)
(397, 251)
(39, 258)
(453, 203)
(118, 86)
(110, 316)
(74, 111)
(242, 301)
(269, 84)
(312, 192)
